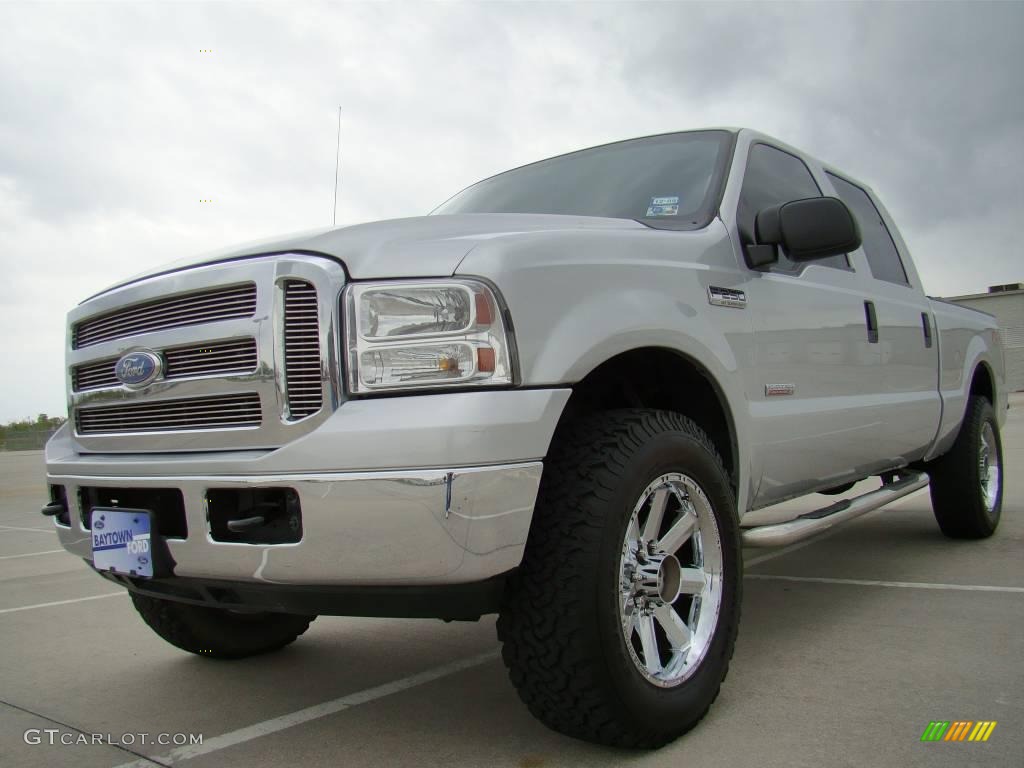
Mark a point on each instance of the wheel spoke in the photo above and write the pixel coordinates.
(649, 642)
(659, 500)
(692, 581)
(676, 631)
(694, 615)
(633, 534)
(680, 532)
(627, 612)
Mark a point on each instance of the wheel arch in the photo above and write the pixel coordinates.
(983, 382)
(978, 378)
(668, 380)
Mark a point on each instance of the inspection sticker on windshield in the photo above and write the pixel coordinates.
(663, 206)
(121, 542)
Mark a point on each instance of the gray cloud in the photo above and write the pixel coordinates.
(114, 125)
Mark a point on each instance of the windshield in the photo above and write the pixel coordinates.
(671, 181)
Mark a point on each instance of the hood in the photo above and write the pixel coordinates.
(425, 246)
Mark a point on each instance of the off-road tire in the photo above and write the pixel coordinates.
(957, 498)
(559, 624)
(219, 633)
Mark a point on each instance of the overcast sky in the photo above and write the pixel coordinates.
(115, 122)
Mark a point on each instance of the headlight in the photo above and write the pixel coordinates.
(425, 334)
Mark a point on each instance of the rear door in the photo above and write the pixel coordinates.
(908, 403)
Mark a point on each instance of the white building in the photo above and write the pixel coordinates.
(1006, 302)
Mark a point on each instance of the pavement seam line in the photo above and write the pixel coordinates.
(61, 602)
(873, 583)
(19, 528)
(143, 762)
(315, 712)
(32, 554)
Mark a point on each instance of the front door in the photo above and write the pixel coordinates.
(816, 370)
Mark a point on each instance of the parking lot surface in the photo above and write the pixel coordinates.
(850, 644)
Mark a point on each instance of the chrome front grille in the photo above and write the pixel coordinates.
(302, 366)
(171, 312)
(248, 350)
(236, 356)
(219, 412)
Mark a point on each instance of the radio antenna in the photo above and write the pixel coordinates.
(337, 162)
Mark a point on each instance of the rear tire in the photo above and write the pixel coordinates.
(617, 629)
(219, 633)
(967, 482)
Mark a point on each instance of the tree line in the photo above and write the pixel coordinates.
(28, 434)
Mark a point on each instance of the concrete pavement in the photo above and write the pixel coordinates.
(848, 647)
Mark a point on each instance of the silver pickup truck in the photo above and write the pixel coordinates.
(560, 397)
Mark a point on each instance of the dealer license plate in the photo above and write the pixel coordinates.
(121, 541)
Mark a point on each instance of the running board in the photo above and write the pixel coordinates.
(781, 534)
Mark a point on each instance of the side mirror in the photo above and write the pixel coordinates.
(810, 229)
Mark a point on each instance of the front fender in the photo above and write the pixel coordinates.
(592, 298)
(604, 325)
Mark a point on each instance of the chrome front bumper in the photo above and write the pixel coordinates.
(417, 491)
(436, 526)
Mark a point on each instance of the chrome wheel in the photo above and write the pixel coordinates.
(988, 467)
(670, 580)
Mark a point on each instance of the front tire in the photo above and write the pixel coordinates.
(216, 632)
(622, 619)
(967, 482)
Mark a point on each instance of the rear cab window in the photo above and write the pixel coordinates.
(877, 243)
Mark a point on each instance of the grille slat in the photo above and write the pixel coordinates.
(219, 412)
(303, 376)
(222, 357)
(156, 425)
(212, 355)
(96, 375)
(190, 408)
(226, 357)
(201, 310)
(171, 312)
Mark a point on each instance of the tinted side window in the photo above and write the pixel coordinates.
(883, 258)
(773, 177)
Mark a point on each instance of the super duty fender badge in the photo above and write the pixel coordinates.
(726, 297)
(137, 369)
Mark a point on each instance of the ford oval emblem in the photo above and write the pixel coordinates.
(137, 369)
